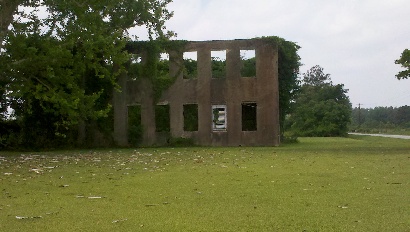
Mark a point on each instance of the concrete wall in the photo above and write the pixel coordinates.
(206, 91)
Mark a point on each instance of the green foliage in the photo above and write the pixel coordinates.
(321, 108)
(404, 61)
(218, 68)
(162, 120)
(190, 69)
(191, 117)
(161, 81)
(9, 136)
(153, 68)
(72, 81)
(4, 103)
(288, 65)
(248, 67)
(9, 11)
(316, 77)
(65, 66)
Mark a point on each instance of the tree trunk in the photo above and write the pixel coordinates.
(7, 10)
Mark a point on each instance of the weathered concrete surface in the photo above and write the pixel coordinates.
(384, 135)
(231, 91)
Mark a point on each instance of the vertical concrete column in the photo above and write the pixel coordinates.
(147, 108)
(233, 95)
(176, 65)
(203, 89)
(267, 95)
(147, 113)
(121, 112)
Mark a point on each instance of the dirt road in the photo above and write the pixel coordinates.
(383, 135)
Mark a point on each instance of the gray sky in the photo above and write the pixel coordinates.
(355, 41)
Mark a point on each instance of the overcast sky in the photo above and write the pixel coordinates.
(355, 41)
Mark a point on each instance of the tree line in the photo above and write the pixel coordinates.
(380, 119)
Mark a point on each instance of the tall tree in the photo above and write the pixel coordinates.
(316, 77)
(66, 62)
(404, 61)
(321, 108)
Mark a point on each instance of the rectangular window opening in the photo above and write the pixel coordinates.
(163, 65)
(190, 65)
(164, 56)
(248, 59)
(134, 125)
(218, 59)
(191, 117)
(219, 118)
(162, 119)
(249, 111)
(134, 66)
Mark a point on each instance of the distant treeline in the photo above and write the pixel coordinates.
(381, 119)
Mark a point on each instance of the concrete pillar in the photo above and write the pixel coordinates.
(233, 96)
(203, 89)
(147, 109)
(147, 114)
(176, 100)
(267, 95)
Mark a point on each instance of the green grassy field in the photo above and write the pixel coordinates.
(319, 184)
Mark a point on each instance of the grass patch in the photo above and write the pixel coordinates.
(319, 184)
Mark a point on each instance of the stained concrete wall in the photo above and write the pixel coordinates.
(206, 91)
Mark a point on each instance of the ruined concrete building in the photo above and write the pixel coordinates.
(220, 103)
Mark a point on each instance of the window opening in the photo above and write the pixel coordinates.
(191, 117)
(219, 117)
(163, 65)
(190, 65)
(134, 125)
(164, 56)
(162, 120)
(249, 111)
(248, 60)
(218, 59)
(135, 66)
